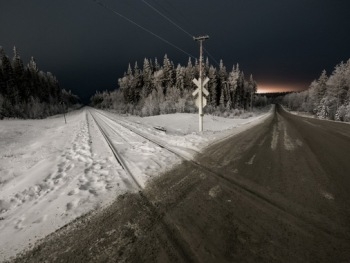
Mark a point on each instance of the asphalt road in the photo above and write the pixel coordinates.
(278, 192)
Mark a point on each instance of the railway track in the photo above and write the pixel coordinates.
(116, 153)
(161, 144)
(168, 227)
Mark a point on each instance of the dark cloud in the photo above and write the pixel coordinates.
(88, 47)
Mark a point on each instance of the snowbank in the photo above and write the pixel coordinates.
(182, 128)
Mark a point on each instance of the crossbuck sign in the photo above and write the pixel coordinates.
(201, 100)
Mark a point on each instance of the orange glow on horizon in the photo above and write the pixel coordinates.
(267, 88)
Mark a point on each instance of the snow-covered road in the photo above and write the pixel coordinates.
(52, 172)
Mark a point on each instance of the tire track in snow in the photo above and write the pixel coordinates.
(274, 140)
(289, 143)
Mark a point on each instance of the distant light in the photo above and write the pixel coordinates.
(270, 88)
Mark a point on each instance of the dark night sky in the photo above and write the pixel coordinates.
(283, 43)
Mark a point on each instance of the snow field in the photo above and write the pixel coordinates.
(182, 129)
(64, 184)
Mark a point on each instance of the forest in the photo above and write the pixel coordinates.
(163, 88)
(27, 92)
(328, 97)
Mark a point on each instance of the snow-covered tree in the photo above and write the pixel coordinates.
(180, 78)
(212, 87)
(252, 88)
(232, 84)
(17, 64)
(327, 97)
(27, 92)
(147, 77)
(189, 75)
(32, 66)
(162, 89)
(168, 73)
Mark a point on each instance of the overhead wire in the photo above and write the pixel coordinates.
(143, 28)
(169, 7)
(211, 56)
(167, 18)
(179, 27)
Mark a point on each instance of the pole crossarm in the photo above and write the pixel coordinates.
(201, 38)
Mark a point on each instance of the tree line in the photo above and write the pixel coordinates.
(328, 97)
(27, 92)
(163, 88)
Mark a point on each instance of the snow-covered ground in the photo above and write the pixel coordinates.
(182, 128)
(309, 115)
(52, 172)
(300, 113)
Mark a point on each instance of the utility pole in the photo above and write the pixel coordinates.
(64, 111)
(200, 83)
(251, 100)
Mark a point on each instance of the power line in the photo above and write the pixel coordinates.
(168, 7)
(167, 18)
(180, 17)
(206, 51)
(179, 27)
(143, 28)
